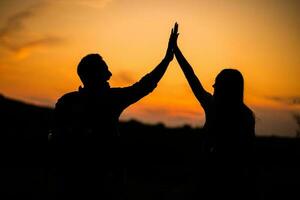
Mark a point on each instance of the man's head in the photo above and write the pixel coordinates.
(93, 71)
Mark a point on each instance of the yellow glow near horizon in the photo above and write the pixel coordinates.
(41, 43)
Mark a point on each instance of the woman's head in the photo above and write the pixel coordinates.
(229, 87)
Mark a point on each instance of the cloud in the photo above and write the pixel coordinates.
(41, 101)
(14, 31)
(286, 100)
(90, 3)
(171, 117)
(124, 78)
(15, 37)
(169, 113)
(26, 48)
(14, 23)
(157, 111)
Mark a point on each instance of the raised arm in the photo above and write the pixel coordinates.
(200, 93)
(148, 83)
(156, 74)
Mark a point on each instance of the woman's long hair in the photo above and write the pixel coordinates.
(233, 120)
(229, 87)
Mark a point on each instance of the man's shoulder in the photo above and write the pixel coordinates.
(68, 97)
(116, 89)
(121, 92)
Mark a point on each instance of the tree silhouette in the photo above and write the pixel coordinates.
(296, 116)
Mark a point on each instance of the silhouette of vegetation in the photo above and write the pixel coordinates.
(161, 162)
(297, 118)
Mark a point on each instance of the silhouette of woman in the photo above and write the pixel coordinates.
(230, 125)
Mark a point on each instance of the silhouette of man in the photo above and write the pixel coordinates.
(86, 126)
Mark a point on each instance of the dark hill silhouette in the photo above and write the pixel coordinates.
(24, 121)
(161, 162)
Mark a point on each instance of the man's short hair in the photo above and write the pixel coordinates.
(89, 65)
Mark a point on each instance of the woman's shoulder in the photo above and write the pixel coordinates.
(248, 115)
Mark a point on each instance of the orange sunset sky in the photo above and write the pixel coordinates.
(42, 41)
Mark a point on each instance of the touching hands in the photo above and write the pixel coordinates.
(172, 43)
(176, 35)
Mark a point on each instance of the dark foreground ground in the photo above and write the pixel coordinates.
(162, 163)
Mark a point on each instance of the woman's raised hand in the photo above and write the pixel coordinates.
(172, 43)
